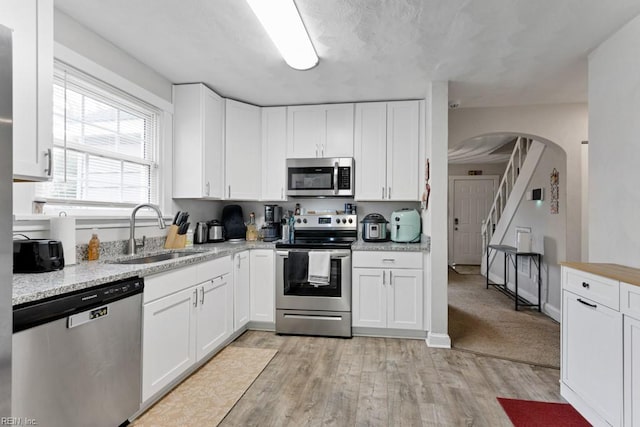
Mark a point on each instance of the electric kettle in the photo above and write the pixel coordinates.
(201, 235)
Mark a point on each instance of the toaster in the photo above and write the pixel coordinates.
(405, 226)
(37, 256)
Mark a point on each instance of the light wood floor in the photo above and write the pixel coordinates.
(316, 381)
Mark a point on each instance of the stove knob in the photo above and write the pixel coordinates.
(350, 220)
(304, 220)
(344, 221)
(298, 221)
(337, 220)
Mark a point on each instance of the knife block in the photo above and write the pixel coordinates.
(175, 240)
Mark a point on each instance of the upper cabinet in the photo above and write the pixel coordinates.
(32, 25)
(243, 151)
(320, 131)
(198, 145)
(274, 153)
(387, 147)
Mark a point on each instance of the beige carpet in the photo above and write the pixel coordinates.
(466, 269)
(484, 321)
(206, 397)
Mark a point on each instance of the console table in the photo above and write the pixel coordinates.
(512, 254)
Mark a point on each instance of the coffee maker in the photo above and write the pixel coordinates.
(272, 230)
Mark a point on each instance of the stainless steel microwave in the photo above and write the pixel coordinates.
(320, 177)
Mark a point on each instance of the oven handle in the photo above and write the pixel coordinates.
(335, 178)
(333, 255)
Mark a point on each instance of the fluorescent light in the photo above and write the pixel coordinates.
(281, 20)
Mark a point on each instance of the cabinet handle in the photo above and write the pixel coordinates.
(586, 303)
(282, 193)
(383, 192)
(49, 169)
(208, 190)
(195, 297)
(389, 194)
(585, 285)
(229, 191)
(322, 150)
(202, 295)
(390, 278)
(384, 275)
(316, 150)
(389, 260)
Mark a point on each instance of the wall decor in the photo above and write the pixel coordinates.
(427, 188)
(555, 191)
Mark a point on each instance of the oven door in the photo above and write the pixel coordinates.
(303, 296)
(320, 177)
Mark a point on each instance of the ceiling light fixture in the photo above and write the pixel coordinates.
(281, 20)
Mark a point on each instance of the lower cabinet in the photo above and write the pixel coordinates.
(263, 285)
(187, 314)
(632, 371)
(241, 270)
(387, 297)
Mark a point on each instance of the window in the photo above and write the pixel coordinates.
(105, 145)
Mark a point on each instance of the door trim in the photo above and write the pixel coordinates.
(452, 180)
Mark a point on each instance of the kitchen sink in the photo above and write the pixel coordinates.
(150, 259)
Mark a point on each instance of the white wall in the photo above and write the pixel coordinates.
(457, 169)
(562, 124)
(548, 232)
(614, 148)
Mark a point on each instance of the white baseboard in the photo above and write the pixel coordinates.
(438, 340)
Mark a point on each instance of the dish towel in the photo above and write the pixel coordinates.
(319, 268)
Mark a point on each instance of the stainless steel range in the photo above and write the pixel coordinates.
(309, 307)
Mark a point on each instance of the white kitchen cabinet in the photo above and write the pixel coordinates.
(389, 297)
(169, 334)
(632, 371)
(243, 151)
(263, 285)
(241, 278)
(387, 146)
(198, 144)
(214, 319)
(187, 315)
(320, 131)
(274, 153)
(32, 25)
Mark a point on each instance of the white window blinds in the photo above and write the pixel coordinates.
(105, 144)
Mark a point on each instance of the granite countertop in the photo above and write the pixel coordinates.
(33, 287)
(618, 272)
(423, 246)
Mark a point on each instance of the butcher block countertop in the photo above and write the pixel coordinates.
(612, 271)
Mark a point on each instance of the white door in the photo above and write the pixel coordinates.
(215, 314)
(305, 131)
(263, 285)
(242, 151)
(241, 272)
(472, 199)
(213, 128)
(339, 131)
(274, 153)
(632, 372)
(404, 299)
(168, 344)
(371, 150)
(403, 145)
(369, 296)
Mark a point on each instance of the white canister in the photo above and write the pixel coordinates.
(63, 229)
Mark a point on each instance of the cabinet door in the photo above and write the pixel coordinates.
(338, 131)
(169, 340)
(215, 314)
(591, 354)
(213, 128)
(371, 151)
(369, 296)
(305, 131)
(198, 151)
(242, 151)
(404, 299)
(263, 285)
(631, 372)
(274, 153)
(241, 274)
(403, 147)
(32, 25)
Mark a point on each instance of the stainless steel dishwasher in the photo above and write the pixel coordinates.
(76, 357)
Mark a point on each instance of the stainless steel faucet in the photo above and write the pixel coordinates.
(132, 246)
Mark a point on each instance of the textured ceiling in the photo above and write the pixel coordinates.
(494, 52)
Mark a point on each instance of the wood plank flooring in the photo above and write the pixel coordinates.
(315, 381)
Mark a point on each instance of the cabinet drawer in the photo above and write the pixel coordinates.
(630, 300)
(366, 259)
(214, 268)
(597, 288)
(163, 284)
